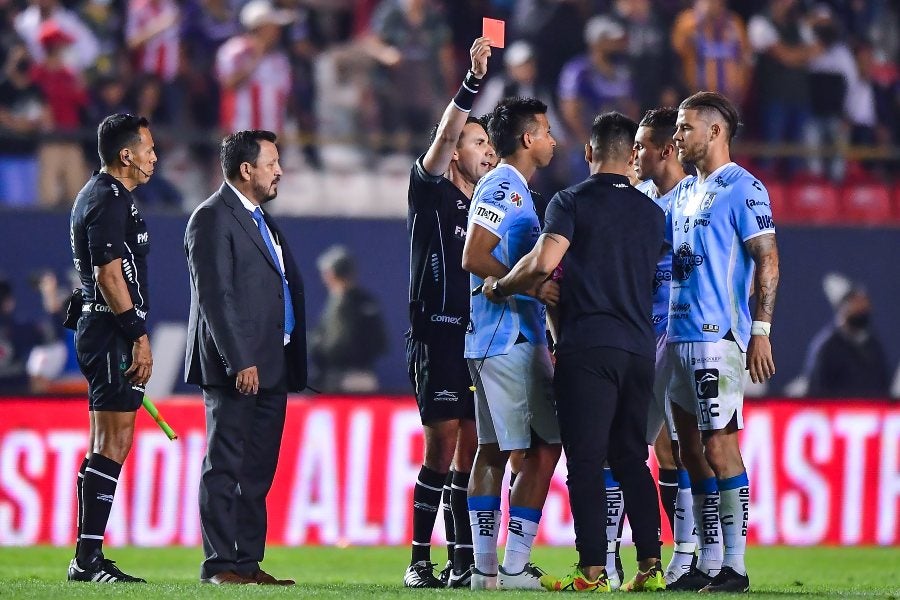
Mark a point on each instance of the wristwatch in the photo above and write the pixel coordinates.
(497, 290)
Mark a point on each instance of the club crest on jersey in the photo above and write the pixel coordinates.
(516, 199)
(707, 201)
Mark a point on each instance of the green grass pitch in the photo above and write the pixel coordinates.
(775, 572)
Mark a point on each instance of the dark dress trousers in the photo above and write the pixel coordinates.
(237, 321)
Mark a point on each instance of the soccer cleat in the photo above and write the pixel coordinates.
(692, 581)
(528, 579)
(651, 580)
(444, 575)
(679, 565)
(482, 581)
(576, 581)
(728, 580)
(100, 570)
(421, 575)
(459, 580)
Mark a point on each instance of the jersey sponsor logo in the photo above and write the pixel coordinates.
(701, 222)
(657, 319)
(707, 201)
(459, 232)
(661, 276)
(516, 199)
(750, 202)
(425, 507)
(709, 328)
(705, 360)
(720, 182)
(115, 190)
(446, 396)
(498, 195)
(488, 216)
(765, 222)
(448, 319)
(706, 382)
(134, 212)
(143, 238)
(621, 185)
(684, 261)
(105, 497)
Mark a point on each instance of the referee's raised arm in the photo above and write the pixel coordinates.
(440, 152)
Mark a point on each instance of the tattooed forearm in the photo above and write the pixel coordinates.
(764, 251)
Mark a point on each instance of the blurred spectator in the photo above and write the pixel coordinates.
(53, 358)
(254, 71)
(596, 82)
(781, 73)
(104, 19)
(868, 102)
(80, 55)
(410, 40)
(714, 50)
(559, 22)
(648, 51)
(153, 37)
(60, 159)
(847, 359)
(830, 75)
(16, 341)
(350, 335)
(23, 113)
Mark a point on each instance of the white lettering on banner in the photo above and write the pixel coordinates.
(20, 520)
(813, 490)
(68, 446)
(358, 529)
(402, 472)
(157, 482)
(314, 497)
(855, 428)
(758, 451)
(889, 486)
(189, 534)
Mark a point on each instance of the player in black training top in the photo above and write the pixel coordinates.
(109, 246)
(440, 189)
(611, 236)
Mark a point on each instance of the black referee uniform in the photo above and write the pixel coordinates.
(606, 354)
(106, 225)
(438, 297)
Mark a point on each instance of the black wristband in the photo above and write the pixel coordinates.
(465, 97)
(131, 324)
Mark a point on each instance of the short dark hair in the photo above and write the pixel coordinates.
(241, 147)
(510, 120)
(612, 136)
(121, 130)
(433, 135)
(662, 123)
(714, 102)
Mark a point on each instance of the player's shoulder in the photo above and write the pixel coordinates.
(738, 178)
(648, 188)
(502, 188)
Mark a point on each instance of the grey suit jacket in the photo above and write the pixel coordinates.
(237, 305)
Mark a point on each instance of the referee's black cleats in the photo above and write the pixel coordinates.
(460, 579)
(692, 581)
(100, 570)
(728, 580)
(421, 575)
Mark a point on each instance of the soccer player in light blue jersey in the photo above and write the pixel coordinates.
(507, 351)
(723, 239)
(656, 165)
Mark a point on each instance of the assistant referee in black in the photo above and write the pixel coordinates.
(110, 244)
(608, 237)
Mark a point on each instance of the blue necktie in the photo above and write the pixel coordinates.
(288, 304)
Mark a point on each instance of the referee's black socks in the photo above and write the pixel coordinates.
(463, 557)
(668, 491)
(79, 494)
(99, 488)
(426, 501)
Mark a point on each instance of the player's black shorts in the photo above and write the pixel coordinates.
(104, 355)
(441, 380)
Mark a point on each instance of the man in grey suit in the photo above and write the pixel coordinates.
(246, 350)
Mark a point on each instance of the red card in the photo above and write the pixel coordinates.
(493, 29)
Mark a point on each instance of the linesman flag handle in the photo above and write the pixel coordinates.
(154, 412)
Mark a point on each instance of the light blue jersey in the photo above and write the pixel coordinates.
(502, 204)
(662, 283)
(711, 268)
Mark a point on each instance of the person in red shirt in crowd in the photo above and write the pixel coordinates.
(60, 158)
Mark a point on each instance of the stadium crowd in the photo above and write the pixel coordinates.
(357, 83)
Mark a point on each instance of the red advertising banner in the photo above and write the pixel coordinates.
(820, 472)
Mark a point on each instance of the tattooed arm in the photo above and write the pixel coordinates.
(764, 251)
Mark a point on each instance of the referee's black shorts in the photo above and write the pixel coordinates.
(440, 379)
(104, 355)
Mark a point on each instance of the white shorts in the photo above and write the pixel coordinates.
(514, 396)
(660, 410)
(707, 380)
